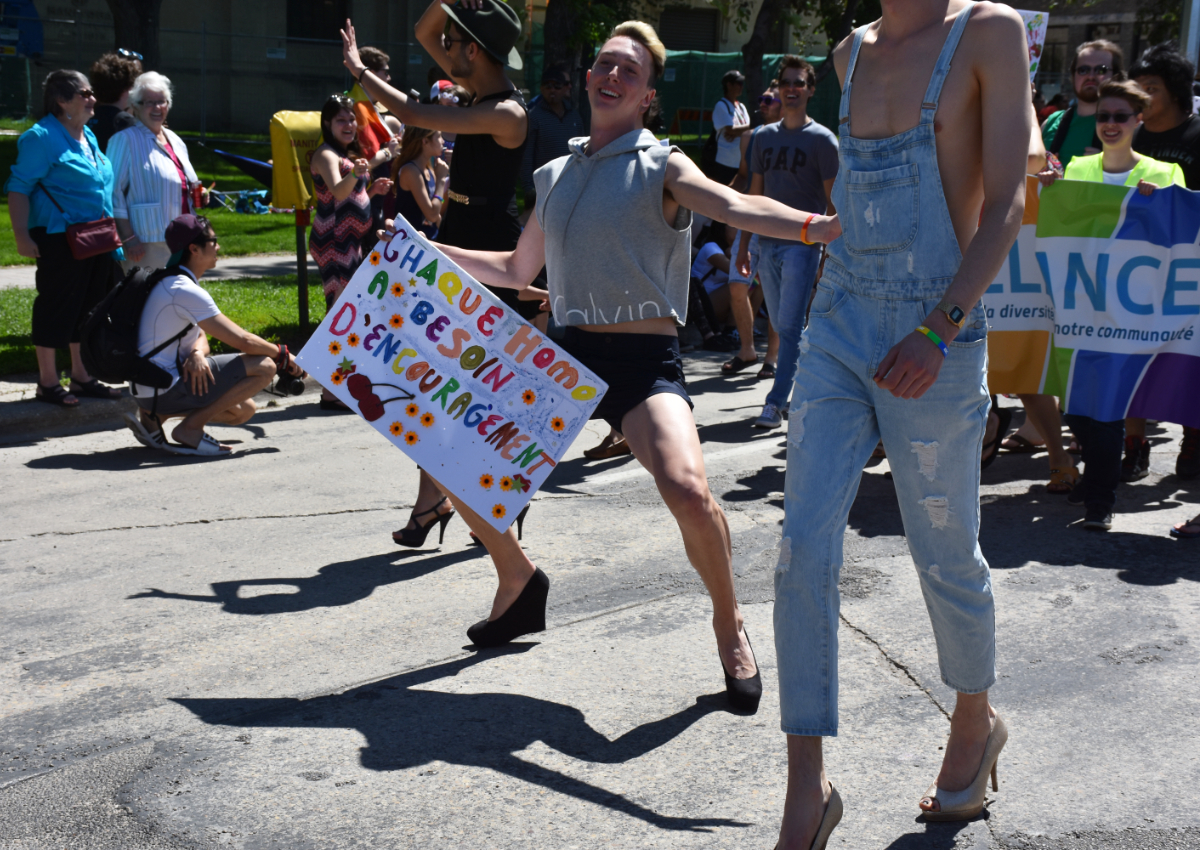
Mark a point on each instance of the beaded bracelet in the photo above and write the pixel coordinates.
(935, 339)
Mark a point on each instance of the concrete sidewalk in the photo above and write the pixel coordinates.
(229, 268)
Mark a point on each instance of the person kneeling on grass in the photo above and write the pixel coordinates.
(205, 388)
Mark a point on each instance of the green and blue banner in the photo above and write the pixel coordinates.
(1098, 302)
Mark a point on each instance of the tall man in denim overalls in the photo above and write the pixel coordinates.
(896, 350)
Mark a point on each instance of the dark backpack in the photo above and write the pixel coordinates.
(109, 343)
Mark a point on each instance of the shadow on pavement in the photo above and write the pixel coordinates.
(343, 583)
(133, 458)
(407, 726)
(937, 836)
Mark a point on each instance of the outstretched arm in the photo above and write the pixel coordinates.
(514, 269)
(687, 186)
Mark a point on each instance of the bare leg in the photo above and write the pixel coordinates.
(739, 305)
(428, 495)
(662, 434)
(259, 372)
(48, 370)
(1042, 411)
(808, 793)
(970, 725)
(79, 372)
(513, 568)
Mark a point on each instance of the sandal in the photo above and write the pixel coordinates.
(1005, 415)
(56, 395)
(207, 447)
(610, 446)
(1063, 481)
(1182, 533)
(767, 371)
(1018, 445)
(149, 439)
(737, 364)
(95, 389)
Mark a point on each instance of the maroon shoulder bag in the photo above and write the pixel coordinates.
(89, 238)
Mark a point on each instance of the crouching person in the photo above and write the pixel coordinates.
(205, 388)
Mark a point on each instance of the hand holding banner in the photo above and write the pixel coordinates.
(450, 376)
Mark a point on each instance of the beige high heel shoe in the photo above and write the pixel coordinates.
(967, 803)
(831, 818)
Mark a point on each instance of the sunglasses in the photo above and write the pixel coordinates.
(794, 84)
(767, 101)
(447, 41)
(85, 93)
(129, 54)
(556, 84)
(1113, 117)
(1088, 70)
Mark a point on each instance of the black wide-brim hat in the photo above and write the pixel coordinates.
(495, 27)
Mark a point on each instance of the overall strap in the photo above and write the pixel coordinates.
(844, 107)
(942, 69)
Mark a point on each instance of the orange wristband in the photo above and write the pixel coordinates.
(804, 229)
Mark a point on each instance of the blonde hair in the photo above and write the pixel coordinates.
(645, 35)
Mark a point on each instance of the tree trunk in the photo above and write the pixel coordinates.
(136, 23)
(558, 34)
(770, 15)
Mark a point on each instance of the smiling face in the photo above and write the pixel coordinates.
(343, 128)
(153, 109)
(794, 90)
(770, 111)
(1115, 135)
(1092, 68)
(618, 85)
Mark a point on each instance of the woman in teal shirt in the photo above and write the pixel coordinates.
(58, 158)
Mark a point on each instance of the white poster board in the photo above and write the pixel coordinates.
(1035, 33)
(450, 376)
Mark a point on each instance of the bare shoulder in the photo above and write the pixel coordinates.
(995, 30)
(841, 57)
(679, 165)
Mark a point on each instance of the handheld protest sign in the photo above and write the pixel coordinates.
(457, 381)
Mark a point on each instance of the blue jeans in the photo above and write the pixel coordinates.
(786, 271)
(933, 444)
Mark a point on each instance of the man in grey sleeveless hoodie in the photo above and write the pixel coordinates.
(896, 350)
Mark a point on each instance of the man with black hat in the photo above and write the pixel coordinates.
(205, 388)
(472, 42)
(553, 121)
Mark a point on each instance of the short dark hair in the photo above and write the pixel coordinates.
(1165, 61)
(374, 58)
(112, 75)
(557, 71)
(1118, 56)
(61, 85)
(1128, 91)
(791, 60)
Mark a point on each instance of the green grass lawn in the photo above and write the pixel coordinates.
(265, 306)
(240, 234)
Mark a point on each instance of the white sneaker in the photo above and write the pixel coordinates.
(771, 417)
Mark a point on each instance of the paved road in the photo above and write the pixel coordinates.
(230, 268)
(234, 654)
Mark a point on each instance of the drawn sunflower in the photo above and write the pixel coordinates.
(426, 419)
(397, 289)
(335, 348)
(396, 321)
(485, 481)
(412, 410)
(411, 438)
(338, 377)
(374, 258)
(506, 483)
(529, 396)
(397, 429)
(557, 424)
(352, 340)
(498, 511)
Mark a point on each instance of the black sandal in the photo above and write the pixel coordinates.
(56, 395)
(95, 389)
(737, 364)
(1005, 415)
(767, 371)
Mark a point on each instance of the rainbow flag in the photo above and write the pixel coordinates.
(1098, 303)
(372, 133)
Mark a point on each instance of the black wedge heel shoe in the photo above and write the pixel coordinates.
(415, 537)
(525, 616)
(744, 694)
(475, 541)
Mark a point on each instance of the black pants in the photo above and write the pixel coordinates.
(701, 314)
(1102, 444)
(67, 289)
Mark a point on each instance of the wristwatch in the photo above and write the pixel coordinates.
(954, 313)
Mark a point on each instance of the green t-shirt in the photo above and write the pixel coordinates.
(1080, 135)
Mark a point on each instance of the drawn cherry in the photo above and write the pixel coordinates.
(370, 407)
(359, 386)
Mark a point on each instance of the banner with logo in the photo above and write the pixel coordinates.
(450, 376)
(1098, 302)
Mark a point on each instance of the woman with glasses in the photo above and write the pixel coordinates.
(1118, 116)
(61, 178)
(155, 181)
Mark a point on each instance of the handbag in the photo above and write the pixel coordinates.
(89, 238)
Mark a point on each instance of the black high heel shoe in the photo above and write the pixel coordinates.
(415, 537)
(475, 541)
(744, 694)
(525, 616)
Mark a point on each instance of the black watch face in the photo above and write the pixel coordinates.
(956, 315)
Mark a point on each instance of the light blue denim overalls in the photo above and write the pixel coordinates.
(896, 258)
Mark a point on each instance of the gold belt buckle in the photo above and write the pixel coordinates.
(462, 199)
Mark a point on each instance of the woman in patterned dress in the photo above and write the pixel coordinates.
(343, 203)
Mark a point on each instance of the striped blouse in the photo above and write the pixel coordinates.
(147, 190)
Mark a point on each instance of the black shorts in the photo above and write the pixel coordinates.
(67, 289)
(635, 367)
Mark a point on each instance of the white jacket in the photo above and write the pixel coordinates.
(146, 189)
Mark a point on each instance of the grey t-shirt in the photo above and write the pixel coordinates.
(795, 164)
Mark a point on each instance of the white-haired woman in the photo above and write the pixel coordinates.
(154, 177)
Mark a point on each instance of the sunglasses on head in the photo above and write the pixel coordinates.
(129, 54)
(1113, 117)
(1086, 70)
